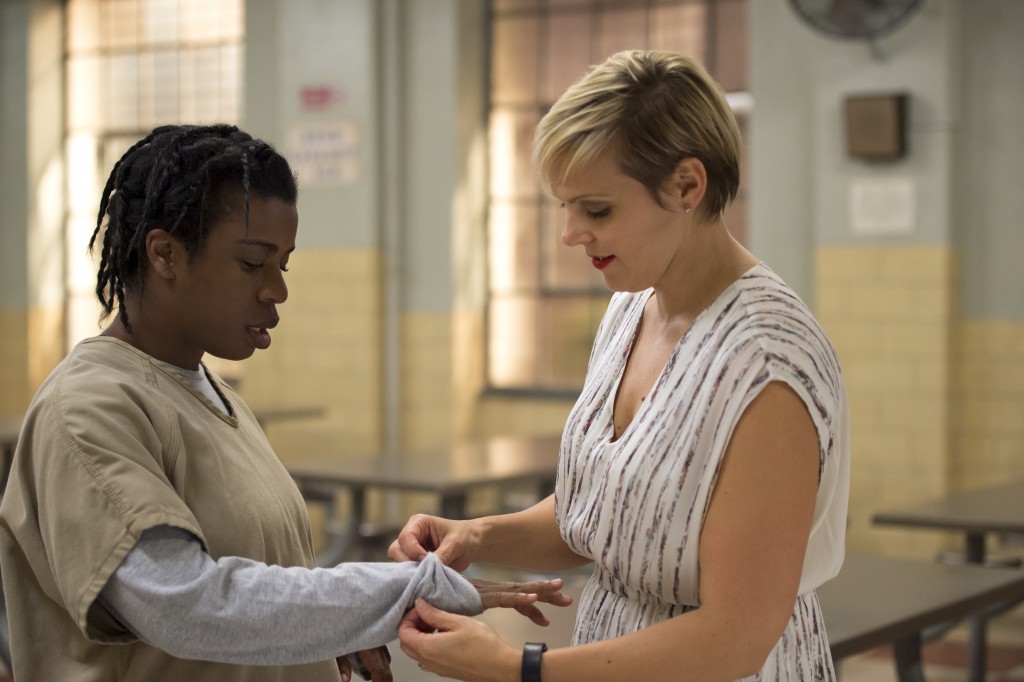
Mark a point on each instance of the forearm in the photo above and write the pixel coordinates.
(687, 647)
(240, 611)
(525, 539)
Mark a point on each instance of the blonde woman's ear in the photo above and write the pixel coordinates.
(691, 180)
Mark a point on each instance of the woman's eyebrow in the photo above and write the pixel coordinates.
(588, 196)
(269, 246)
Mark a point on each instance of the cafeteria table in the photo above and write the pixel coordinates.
(997, 509)
(449, 474)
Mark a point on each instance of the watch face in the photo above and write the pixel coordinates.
(854, 18)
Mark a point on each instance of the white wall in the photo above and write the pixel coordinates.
(988, 177)
(410, 76)
(31, 165)
(14, 18)
(293, 45)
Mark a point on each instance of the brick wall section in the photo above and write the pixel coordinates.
(888, 309)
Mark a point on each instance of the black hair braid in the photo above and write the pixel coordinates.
(110, 250)
(182, 179)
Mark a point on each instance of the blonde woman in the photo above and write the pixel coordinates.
(704, 468)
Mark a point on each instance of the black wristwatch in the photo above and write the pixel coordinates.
(532, 652)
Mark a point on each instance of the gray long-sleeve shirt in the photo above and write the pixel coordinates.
(172, 595)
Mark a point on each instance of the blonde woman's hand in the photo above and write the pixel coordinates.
(456, 647)
(453, 542)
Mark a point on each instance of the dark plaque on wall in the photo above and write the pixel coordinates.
(876, 126)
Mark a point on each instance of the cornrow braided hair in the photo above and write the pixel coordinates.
(183, 179)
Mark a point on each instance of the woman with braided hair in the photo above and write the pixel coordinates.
(145, 507)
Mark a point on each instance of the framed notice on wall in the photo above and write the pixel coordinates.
(324, 154)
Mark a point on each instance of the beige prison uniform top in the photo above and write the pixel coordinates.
(114, 444)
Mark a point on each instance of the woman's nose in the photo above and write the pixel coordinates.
(274, 289)
(573, 234)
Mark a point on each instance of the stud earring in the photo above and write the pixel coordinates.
(686, 208)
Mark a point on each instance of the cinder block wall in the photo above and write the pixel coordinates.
(937, 402)
(987, 403)
(888, 310)
(326, 353)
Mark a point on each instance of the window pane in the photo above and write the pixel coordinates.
(158, 84)
(114, 148)
(736, 214)
(513, 247)
(159, 22)
(200, 21)
(545, 300)
(200, 84)
(83, 25)
(514, 55)
(505, 5)
(210, 85)
(85, 79)
(680, 28)
(83, 314)
(512, 341)
(565, 267)
(128, 70)
(231, 57)
(620, 30)
(730, 58)
(81, 272)
(568, 40)
(566, 333)
(119, 24)
(511, 142)
(232, 20)
(123, 91)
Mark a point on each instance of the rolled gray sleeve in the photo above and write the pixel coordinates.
(172, 595)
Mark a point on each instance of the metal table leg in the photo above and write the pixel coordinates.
(908, 659)
(974, 553)
(453, 505)
(341, 537)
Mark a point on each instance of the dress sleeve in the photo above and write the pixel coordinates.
(175, 597)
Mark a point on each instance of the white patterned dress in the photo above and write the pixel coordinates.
(636, 505)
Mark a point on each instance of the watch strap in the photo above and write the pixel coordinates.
(532, 652)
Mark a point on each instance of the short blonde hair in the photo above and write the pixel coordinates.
(653, 109)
